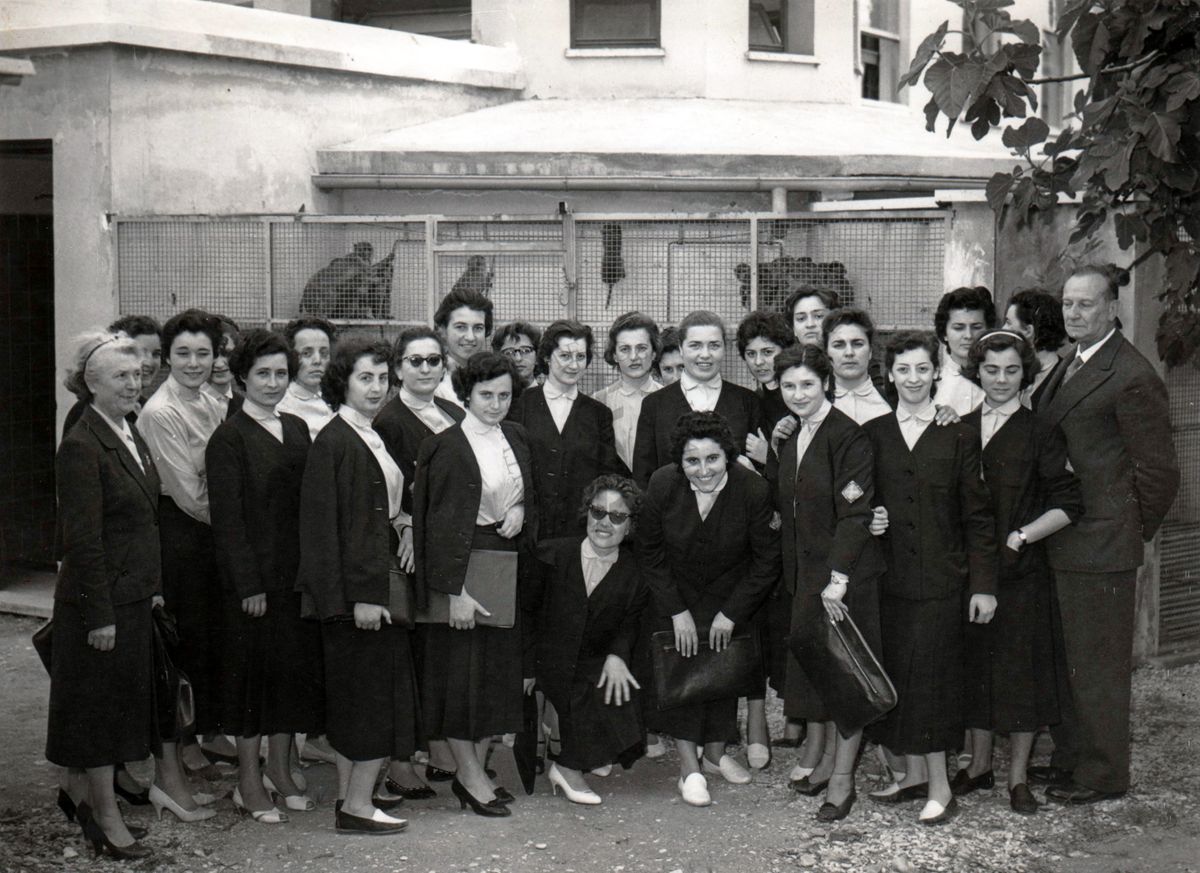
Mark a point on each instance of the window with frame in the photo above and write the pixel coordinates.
(448, 19)
(615, 23)
(1055, 96)
(784, 26)
(879, 48)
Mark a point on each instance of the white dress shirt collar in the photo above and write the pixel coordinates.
(1085, 355)
(474, 424)
(413, 402)
(302, 392)
(925, 414)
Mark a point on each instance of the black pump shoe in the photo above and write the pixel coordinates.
(437, 774)
(422, 793)
(133, 798)
(491, 809)
(101, 844)
(830, 812)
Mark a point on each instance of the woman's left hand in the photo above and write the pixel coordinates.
(831, 599)
(946, 415)
(405, 553)
(719, 632)
(756, 447)
(255, 605)
(514, 520)
(1015, 542)
(527, 684)
(103, 639)
(615, 679)
(371, 616)
(981, 608)
(157, 600)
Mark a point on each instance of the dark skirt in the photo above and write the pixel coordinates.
(777, 627)
(370, 691)
(272, 667)
(595, 733)
(801, 700)
(923, 655)
(192, 590)
(1011, 669)
(101, 703)
(471, 681)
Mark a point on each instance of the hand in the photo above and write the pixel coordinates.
(513, 521)
(255, 605)
(371, 616)
(615, 679)
(746, 462)
(719, 632)
(756, 447)
(784, 428)
(1015, 542)
(527, 684)
(879, 523)
(686, 642)
(462, 611)
(405, 552)
(946, 415)
(831, 599)
(103, 639)
(981, 608)
(157, 600)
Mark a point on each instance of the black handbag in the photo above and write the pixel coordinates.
(737, 671)
(174, 699)
(41, 642)
(402, 600)
(853, 685)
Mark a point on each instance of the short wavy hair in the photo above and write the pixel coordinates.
(703, 426)
(808, 356)
(260, 343)
(768, 325)
(341, 365)
(483, 367)
(83, 358)
(700, 318)
(976, 297)
(1043, 313)
(1115, 278)
(512, 331)
(457, 300)
(633, 321)
(623, 485)
(309, 322)
(134, 326)
(828, 298)
(841, 318)
(999, 341)
(192, 321)
(907, 341)
(408, 336)
(564, 328)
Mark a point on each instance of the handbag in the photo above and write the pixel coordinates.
(853, 685)
(174, 698)
(737, 671)
(41, 642)
(402, 598)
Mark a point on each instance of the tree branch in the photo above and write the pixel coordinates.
(1123, 68)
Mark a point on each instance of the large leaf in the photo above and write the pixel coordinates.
(952, 79)
(1182, 89)
(1025, 137)
(1070, 15)
(1116, 167)
(1089, 33)
(1161, 130)
(925, 50)
(1026, 30)
(931, 114)
(998, 188)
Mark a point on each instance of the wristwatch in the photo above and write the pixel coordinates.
(1021, 536)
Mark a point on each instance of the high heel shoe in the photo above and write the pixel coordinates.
(101, 844)
(807, 787)
(294, 802)
(133, 798)
(422, 793)
(553, 743)
(66, 804)
(84, 815)
(587, 797)
(262, 816)
(503, 795)
(160, 800)
(437, 774)
(491, 809)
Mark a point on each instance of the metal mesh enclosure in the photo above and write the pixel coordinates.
(1179, 590)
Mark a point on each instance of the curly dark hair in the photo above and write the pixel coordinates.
(341, 365)
(768, 325)
(192, 321)
(633, 321)
(483, 367)
(828, 298)
(848, 315)
(1042, 312)
(259, 343)
(703, 426)
(808, 356)
(134, 326)
(515, 330)
(907, 341)
(623, 485)
(974, 298)
(411, 335)
(998, 341)
(565, 328)
(309, 322)
(458, 299)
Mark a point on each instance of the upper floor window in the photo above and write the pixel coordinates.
(615, 23)
(879, 46)
(781, 26)
(449, 19)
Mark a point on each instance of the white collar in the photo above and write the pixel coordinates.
(720, 486)
(471, 422)
(413, 402)
(182, 391)
(950, 366)
(648, 386)
(866, 389)
(259, 412)
(1085, 355)
(1005, 409)
(924, 415)
(589, 553)
(552, 391)
(302, 392)
(355, 418)
(121, 427)
(815, 421)
(690, 384)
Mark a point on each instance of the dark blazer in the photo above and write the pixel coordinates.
(346, 536)
(108, 510)
(1025, 467)
(726, 563)
(771, 409)
(446, 503)
(567, 462)
(941, 536)
(1115, 415)
(254, 496)
(575, 633)
(76, 412)
(661, 409)
(826, 505)
(403, 432)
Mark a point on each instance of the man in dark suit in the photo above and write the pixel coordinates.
(1112, 407)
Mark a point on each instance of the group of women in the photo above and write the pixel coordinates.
(394, 545)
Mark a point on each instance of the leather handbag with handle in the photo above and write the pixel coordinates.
(735, 671)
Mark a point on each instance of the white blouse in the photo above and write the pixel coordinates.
(503, 488)
(595, 566)
(391, 473)
(267, 417)
(302, 403)
(176, 424)
(427, 410)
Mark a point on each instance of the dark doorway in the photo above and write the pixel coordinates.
(27, 372)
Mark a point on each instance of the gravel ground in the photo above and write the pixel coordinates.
(642, 825)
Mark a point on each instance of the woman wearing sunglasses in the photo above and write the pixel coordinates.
(588, 600)
(409, 418)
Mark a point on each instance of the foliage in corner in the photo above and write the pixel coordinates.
(1132, 150)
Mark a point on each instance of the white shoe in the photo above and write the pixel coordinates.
(934, 813)
(317, 749)
(203, 798)
(799, 773)
(758, 755)
(731, 770)
(694, 790)
(262, 816)
(557, 781)
(656, 749)
(294, 802)
(602, 771)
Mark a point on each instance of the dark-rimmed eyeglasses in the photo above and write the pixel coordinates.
(415, 361)
(599, 512)
(518, 351)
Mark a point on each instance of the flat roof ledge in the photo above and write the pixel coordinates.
(220, 30)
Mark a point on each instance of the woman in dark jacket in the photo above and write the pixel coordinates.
(1011, 662)
(824, 486)
(255, 464)
(710, 556)
(588, 602)
(351, 526)
(474, 506)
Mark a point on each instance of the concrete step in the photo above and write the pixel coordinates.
(28, 592)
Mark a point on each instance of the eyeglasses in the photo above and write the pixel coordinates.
(598, 513)
(415, 361)
(518, 351)
(566, 358)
